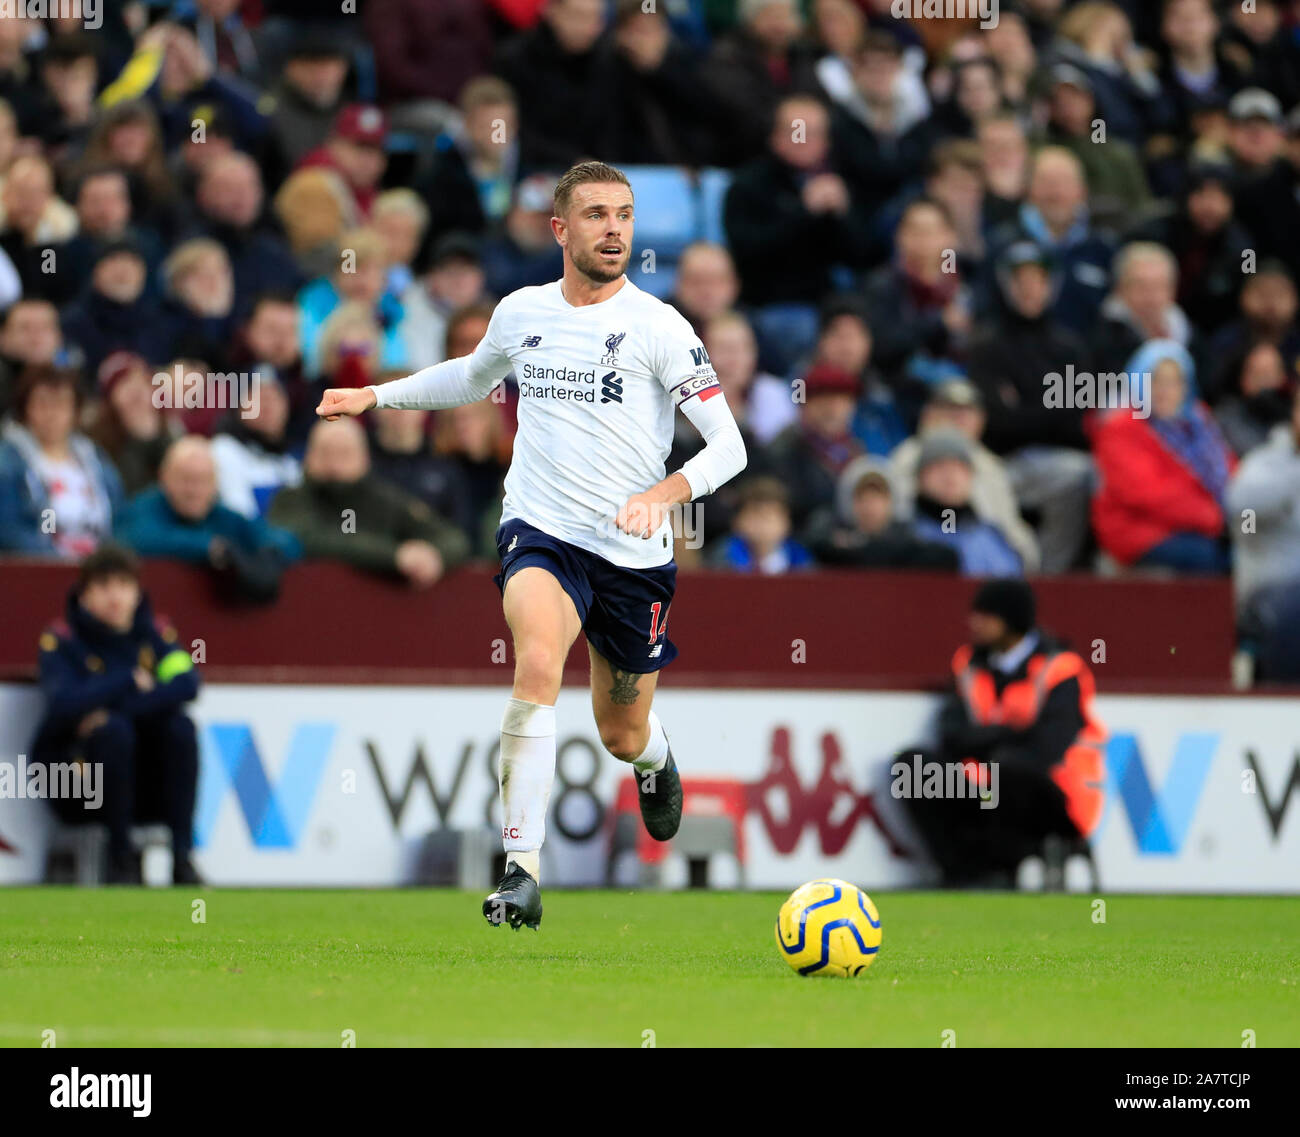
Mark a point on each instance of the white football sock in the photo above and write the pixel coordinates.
(531, 863)
(526, 771)
(655, 754)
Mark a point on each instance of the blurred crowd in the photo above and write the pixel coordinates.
(937, 243)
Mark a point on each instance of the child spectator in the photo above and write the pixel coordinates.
(760, 538)
(865, 533)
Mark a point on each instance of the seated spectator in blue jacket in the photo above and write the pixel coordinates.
(943, 512)
(59, 493)
(360, 278)
(116, 681)
(760, 538)
(182, 518)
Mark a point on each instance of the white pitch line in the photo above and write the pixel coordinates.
(66, 1036)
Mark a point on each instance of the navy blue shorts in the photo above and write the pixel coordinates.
(624, 611)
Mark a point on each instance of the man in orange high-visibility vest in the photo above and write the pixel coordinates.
(1021, 721)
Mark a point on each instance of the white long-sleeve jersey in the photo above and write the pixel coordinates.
(597, 389)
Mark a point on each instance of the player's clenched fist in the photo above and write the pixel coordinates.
(345, 401)
(641, 516)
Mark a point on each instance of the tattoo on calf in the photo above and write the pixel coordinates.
(624, 689)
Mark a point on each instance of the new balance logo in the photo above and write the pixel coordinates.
(531, 341)
(611, 388)
(699, 356)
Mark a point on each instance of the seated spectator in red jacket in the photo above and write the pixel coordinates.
(1162, 477)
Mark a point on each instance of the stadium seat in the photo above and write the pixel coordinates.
(785, 333)
(78, 854)
(659, 283)
(665, 209)
(713, 186)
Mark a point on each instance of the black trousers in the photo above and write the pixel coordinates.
(970, 843)
(149, 768)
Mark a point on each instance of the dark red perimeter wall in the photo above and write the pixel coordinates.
(824, 629)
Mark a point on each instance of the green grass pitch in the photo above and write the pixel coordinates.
(273, 968)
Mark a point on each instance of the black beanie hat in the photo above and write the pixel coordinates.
(1011, 600)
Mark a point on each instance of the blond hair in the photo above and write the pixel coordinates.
(187, 257)
(315, 209)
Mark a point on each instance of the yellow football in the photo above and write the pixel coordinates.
(828, 927)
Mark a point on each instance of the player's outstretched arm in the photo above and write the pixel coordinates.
(451, 383)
